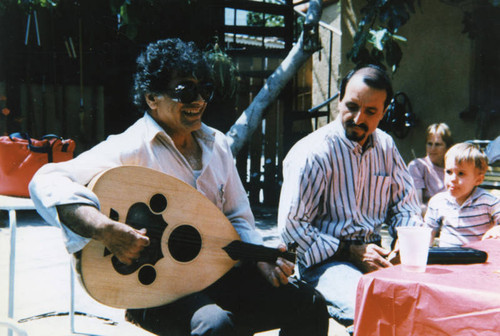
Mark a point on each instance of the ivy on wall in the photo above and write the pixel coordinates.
(377, 41)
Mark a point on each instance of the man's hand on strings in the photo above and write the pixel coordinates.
(277, 273)
(125, 242)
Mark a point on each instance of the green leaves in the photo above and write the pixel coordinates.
(393, 54)
(376, 40)
(265, 20)
(224, 73)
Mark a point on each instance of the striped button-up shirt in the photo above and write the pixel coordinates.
(459, 225)
(334, 191)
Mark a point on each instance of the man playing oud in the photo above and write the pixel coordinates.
(172, 89)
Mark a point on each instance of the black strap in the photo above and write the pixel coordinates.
(46, 148)
(19, 135)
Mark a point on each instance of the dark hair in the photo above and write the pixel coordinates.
(373, 76)
(161, 62)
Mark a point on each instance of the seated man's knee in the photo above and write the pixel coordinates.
(212, 320)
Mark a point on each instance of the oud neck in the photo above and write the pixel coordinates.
(239, 250)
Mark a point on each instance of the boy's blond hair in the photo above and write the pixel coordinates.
(467, 152)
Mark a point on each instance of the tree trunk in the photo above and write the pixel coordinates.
(240, 133)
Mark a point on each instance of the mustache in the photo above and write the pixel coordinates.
(351, 123)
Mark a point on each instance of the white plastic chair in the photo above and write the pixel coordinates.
(14, 326)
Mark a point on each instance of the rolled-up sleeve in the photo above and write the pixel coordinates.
(432, 219)
(65, 183)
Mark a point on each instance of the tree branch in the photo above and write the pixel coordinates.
(247, 123)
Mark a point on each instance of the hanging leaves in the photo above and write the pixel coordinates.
(375, 40)
(224, 73)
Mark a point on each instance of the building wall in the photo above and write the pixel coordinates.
(435, 70)
(325, 70)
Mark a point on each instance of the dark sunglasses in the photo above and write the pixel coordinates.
(187, 92)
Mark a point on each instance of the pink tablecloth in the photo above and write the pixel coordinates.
(445, 300)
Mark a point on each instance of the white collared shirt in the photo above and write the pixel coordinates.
(145, 144)
(334, 191)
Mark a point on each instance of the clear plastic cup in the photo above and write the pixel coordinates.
(414, 244)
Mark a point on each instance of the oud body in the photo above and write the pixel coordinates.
(187, 234)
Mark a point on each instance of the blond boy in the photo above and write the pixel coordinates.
(464, 213)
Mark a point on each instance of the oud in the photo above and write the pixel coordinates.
(192, 243)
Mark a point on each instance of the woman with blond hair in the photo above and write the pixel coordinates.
(428, 172)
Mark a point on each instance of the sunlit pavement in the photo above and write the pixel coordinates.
(43, 286)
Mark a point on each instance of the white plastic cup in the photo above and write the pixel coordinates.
(414, 244)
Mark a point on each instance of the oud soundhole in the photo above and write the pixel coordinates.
(158, 203)
(184, 243)
(147, 275)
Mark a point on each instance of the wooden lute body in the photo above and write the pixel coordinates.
(192, 243)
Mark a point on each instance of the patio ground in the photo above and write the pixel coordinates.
(42, 283)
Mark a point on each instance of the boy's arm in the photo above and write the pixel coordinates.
(432, 218)
(493, 233)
